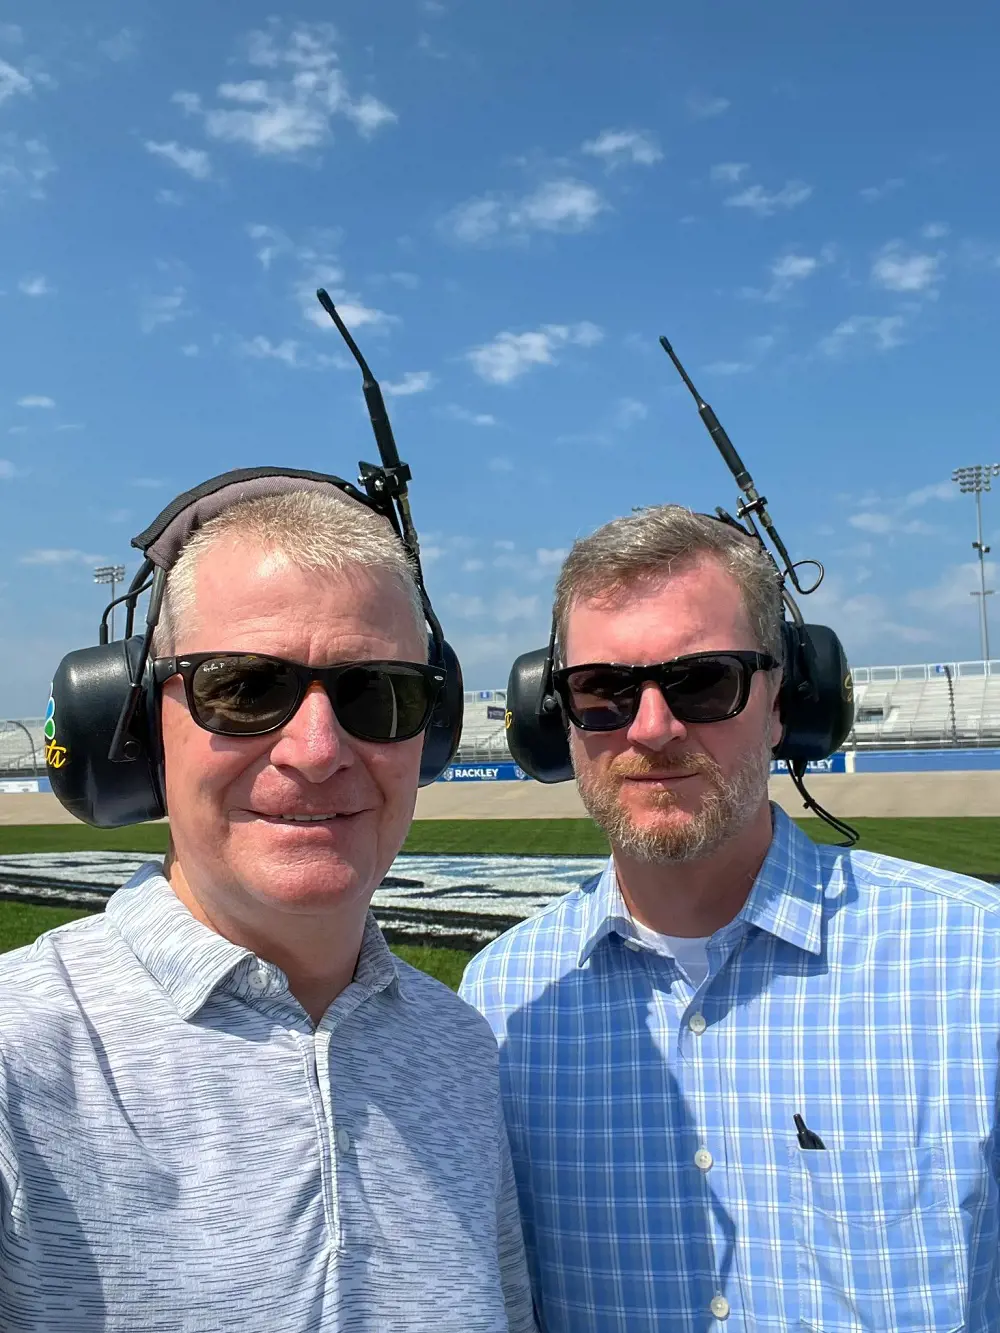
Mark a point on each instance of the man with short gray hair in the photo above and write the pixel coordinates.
(750, 1082)
(224, 1104)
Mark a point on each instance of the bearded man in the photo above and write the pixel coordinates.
(749, 1082)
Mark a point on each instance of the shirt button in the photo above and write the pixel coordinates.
(697, 1024)
(258, 981)
(703, 1159)
(343, 1141)
(720, 1307)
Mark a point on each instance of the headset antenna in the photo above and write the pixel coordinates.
(390, 480)
(754, 503)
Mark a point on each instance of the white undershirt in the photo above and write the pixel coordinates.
(691, 955)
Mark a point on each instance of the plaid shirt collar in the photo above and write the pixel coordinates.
(786, 899)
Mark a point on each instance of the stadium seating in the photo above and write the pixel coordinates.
(937, 704)
(22, 755)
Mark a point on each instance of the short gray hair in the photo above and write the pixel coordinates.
(311, 530)
(653, 543)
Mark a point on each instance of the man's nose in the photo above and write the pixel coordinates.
(654, 726)
(313, 741)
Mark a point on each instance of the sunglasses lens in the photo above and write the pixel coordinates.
(601, 698)
(705, 691)
(385, 702)
(606, 698)
(242, 695)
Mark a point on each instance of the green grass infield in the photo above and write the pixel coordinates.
(970, 846)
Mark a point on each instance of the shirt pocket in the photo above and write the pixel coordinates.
(879, 1242)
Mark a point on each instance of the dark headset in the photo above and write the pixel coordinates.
(815, 703)
(816, 699)
(102, 728)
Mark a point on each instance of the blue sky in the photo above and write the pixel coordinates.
(510, 203)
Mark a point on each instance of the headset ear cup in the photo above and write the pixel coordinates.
(536, 728)
(445, 730)
(89, 688)
(817, 694)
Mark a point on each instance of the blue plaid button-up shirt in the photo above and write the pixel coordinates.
(660, 1178)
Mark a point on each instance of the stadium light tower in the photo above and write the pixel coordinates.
(113, 574)
(975, 480)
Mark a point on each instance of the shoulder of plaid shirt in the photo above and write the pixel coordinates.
(659, 1175)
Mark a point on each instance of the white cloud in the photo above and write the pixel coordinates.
(899, 271)
(933, 231)
(728, 367)
(190, 349)
(35, 286)
(408, 280)
(121, 46)
(472, 566)
(875, 522)
(170, 197)
(765, 204)
(58, 556)
(551, 559)
(414, 381)
(729, 173)
(883, 332)
(7, 470)
(508, 606)
(159, 310)
(618, 147)
(628, 412)
(36, 400)
(787, 270)
(195, 161)
(470, 418)
(938, 490)
(872, 193)
(757, 349)
(24, 165)
(465, 607)
(263, 349)
(511, 355)
(705, 108)
(561, 205)
(790, 268)
(293, 107)
(12, 82)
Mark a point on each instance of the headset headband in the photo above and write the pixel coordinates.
(164, 539)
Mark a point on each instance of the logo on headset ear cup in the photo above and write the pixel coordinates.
(88, 691)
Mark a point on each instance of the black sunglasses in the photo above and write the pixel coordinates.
(251, 694)
(701, 687)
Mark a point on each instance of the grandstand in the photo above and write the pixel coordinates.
(22, 748)
(953, 703)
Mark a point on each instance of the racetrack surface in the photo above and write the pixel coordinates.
(850, 795)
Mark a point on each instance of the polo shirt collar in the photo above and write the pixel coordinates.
(190, 961)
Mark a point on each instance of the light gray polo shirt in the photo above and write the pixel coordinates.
(182, 1149)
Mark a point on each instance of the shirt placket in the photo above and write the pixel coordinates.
(698, 1055)
(316, 1051)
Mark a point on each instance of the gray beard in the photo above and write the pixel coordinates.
(726, 810)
